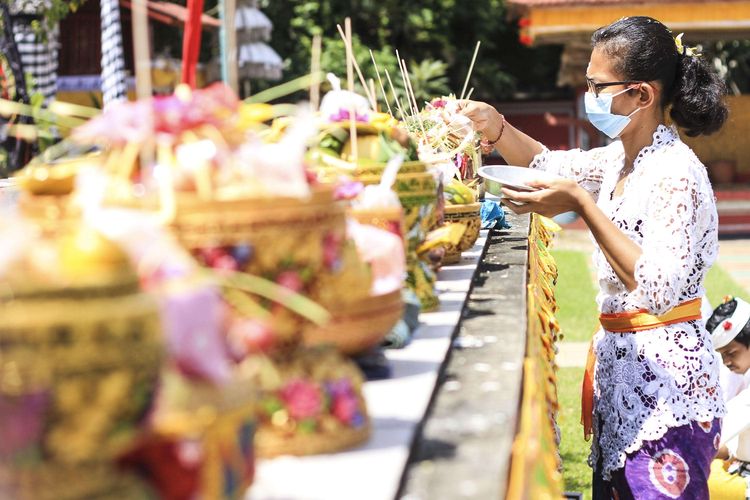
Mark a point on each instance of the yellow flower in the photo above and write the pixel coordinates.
(678, 43)
(683, 49)
(253, 114)
(383, 121)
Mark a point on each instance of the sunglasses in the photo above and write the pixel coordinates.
(595, 88)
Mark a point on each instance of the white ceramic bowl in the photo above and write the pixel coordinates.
(518, 178)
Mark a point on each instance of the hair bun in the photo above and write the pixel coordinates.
(698, 97)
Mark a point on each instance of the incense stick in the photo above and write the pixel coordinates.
(395, 96)
(409, 88)
(350, 84)
(410, 92)
(403, 79)
(141, 50)
(315, 69)
(374, 94)
(471, 91)
(230, 7)
(348, 41)
(380, 81)
(471, 68)
(142, 56)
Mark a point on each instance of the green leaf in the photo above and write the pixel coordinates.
(307, 426)
(271, 405)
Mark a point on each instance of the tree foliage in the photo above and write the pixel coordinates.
(731, 58)
(422, 30)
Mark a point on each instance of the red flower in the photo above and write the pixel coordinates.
(727, 325)
(524, 22)
(302, 399)
(526, 40)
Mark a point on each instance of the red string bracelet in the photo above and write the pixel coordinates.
(487, 146)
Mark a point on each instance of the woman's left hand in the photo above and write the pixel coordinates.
(552, 198)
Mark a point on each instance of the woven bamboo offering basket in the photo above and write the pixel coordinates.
(317, 407)
(80, 363)
(292, 234)
(469, 216)
(306, 237)
(359, 326)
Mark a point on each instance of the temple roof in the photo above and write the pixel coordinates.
(562, 21)
(578, 3)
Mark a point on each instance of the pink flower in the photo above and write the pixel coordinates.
(22, 421)
(302, 399)
(348, 190)
(211, 105)
(171, 115)
(344, 404)
(225, 263)
(291, 280)
(343, 115)
(121, 123)
(344, 407)
(332, 250)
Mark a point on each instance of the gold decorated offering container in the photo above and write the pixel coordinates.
(313, 404)
(417, 193)
(378, 141)
(389, 219)
(80, 359)
(469, 216)
(247, 211)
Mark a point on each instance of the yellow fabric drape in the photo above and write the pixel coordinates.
(535, 460)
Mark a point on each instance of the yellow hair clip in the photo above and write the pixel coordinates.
(684, 49)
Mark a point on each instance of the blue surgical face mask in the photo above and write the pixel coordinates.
(599, 112)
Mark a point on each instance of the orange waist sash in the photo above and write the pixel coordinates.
(628, 322)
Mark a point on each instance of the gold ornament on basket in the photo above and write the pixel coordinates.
(468, 215)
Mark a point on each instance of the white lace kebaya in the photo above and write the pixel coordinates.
(650, 381)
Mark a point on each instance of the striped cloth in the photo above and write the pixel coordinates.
(18, 152)
(114, 82)
(39, 58)
(13, 75)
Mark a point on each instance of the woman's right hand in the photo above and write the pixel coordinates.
(485, 118)
(514, 146)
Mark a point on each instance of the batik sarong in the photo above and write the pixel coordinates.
(676, 466)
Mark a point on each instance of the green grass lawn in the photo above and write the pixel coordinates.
(576, 295)
(573, 449)
(719, 283)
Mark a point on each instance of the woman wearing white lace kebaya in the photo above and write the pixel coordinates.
(655, 397)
